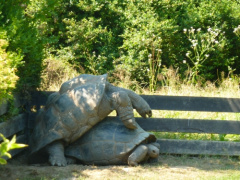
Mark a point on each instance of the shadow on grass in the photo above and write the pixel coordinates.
(169, 167)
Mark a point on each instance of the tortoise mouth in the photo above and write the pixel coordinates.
(154, 154)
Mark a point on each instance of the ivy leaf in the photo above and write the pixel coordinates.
(11, 143)
(4, 139)
(3, 161)
(7, 154)
(16, 146)
(3, 148)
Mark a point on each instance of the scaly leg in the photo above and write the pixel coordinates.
(56, 154)
(137, 155)
(137, 101)
(123, 106)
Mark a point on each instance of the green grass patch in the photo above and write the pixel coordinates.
(197, 136)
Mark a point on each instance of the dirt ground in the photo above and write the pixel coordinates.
(168, 167)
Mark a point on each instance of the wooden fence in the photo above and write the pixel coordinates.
(24, 123)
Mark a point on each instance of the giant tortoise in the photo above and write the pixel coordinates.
(111, 143)
(81, 103)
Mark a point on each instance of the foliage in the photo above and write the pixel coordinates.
(6, 146)
(203, 46)
(8, 67)
(141, 49)
(237, 31)
(88, 42)
(23, 41)
(109, 35)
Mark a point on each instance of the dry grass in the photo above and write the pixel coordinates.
(169, 167)
(55, 73)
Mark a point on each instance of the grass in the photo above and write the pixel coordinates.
(169, 166)
(197, 115)
(227, 87)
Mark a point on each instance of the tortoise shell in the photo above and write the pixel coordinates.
(109, 142)
(70, 112)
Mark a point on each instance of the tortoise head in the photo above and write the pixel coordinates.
(153, 150)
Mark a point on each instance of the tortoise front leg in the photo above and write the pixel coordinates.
(143, 152)
(137, 155)
(56, 154)
(137, 101)
(123, 106)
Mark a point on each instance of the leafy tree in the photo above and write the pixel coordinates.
(99, 36)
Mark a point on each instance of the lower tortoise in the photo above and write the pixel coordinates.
(111, 143)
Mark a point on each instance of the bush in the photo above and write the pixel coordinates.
(141, 42)
(107, 35)
(8, 67)
(24, 41)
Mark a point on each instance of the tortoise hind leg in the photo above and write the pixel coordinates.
(56, 154)
(137, 155)
(71, 160)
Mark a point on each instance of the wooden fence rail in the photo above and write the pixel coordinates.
(161, 124)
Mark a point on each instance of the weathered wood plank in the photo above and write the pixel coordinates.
(3, 107)
(181, 103)
(171, 146)
(186, 103)
(190, 125)
(31, 120)
(17, 102)
(13, 126)
(39, 98)
(179, 125)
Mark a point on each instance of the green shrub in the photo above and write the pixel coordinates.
(142, 42)
(222, 15)
(24, 41)
(88, 43)
(204, 45)
(168, 19)
(8, 67)
(107, 35)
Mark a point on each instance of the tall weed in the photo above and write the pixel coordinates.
(56, 72)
